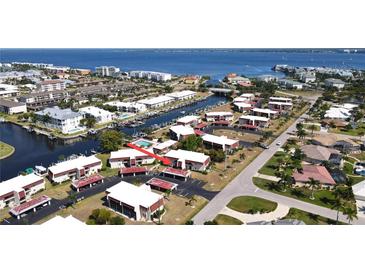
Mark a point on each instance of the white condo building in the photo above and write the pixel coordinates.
(100, 115)
(106, 70)
(150, 75)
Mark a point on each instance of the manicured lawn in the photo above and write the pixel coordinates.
(222, 219)
(322, 197)
(356, 179)
(5, 150)
(348, 168)
(309, 218)
(270, 166)
(250, 204)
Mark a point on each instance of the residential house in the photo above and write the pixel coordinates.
(191, 120)
(180, 132)
(319, 173)
(254, 121)
(11, 107)
(318, 154)
(101, 116)
(190, 160)
(220, 142)
(129, 158)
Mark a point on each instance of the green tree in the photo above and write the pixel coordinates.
(214, 222)
(216, 155)
(189, 222)
(89, 122)
(110, 140)
(191, 143)
(313, 184)
(301, 134)
(337, 205)
(312, 128)
(350, 214)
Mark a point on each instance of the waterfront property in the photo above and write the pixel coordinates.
(219, 116)
(31, 205)
(319, 173)
(11, 107)
(185, 159)
(74, 169)
(182, 95)
(191, 120)
(156, 102)
(180, 132)
(129, 158)
(19, 189)
(106, 71)
(51, 85)
(133, 107)
(254, 121)
(135, 202)
(100, 115)
(151, 75)
(220, 142)
(65, 120)
(87, 182)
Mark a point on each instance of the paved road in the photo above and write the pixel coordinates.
(243, 185)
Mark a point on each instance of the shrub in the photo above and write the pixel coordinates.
(117, 220)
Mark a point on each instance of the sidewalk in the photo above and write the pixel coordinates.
(280, 212)
(267, 177)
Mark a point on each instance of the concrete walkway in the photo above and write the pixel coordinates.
(267, 177)
(280, 212)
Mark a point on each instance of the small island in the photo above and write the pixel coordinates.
(5, 150)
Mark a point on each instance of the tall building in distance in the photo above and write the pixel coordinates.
(150, 75)
(106, 70)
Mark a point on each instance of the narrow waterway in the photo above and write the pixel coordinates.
(32, 149)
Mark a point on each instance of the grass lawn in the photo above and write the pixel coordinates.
(351, 132)
(322, 197)
(6, 150)
(250, 204)
(222, 219)
(270, 166)
(348, 168)
(106, 171)
(58, 191)
(316, 127)
(309, 218)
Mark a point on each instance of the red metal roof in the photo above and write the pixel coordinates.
(319, 173)
(200, 125)
(221, 122)
(248, 126)
(30, 204)
(199, 132)
(161, 184)
(87, 181)
(174, 171)
(129, 170)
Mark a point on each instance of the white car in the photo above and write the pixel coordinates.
(278, 143)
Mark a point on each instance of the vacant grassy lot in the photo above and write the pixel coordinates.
(178, 211)
(360, 130)
(322, 197)
(250, 204)
(222, 219)
(5, 150)
(309, 218)
(270, 166)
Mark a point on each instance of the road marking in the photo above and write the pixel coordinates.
(256, 189)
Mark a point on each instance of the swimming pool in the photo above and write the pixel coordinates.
(143, 143)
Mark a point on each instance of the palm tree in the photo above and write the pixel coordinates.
(350, 213)
(338, 205)
(312, 184)
(301, 134)
(312, 127)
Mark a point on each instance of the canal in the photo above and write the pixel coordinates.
(32, 149)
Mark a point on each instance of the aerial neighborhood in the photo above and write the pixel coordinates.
(149, 147)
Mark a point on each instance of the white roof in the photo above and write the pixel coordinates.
(254, 118)
(247, 95)
(187, 155)
(128, 153)
(183, 93)
(125, 104)
(95, 111)
(280, 99)
(182, 130)
(61, 221)
(8, 87)
(222, 140)
(156, 100)
(359, 189)
(339, 113)
(17, 183)
(74, 163)
(242, 104)
(240, 99)
(133, 195)
(347, 106)
(188, 119)
(165, 144)
(264, 110)
(219, 113)
(281, 103)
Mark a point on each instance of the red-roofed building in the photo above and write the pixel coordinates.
(161, 185)
(201, 126)
(199, 132)
(220, 123)
(132, 171)
(33, 204)
(319, 173)
(87, 182)
(176, 173)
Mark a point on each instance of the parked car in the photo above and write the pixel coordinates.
(262, 145)
(278, 143)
